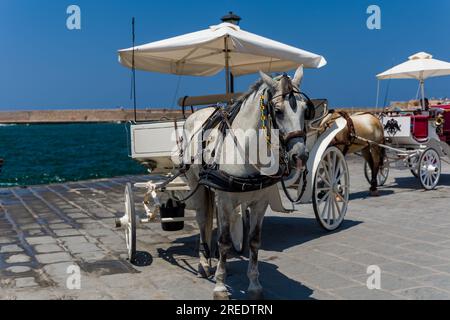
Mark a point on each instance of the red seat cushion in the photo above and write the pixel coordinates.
(420, 126)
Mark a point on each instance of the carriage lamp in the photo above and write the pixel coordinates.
(231, 18)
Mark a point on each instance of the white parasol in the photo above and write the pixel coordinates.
(224, 46)
(420, 66)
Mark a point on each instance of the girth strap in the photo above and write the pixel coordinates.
(219, 180)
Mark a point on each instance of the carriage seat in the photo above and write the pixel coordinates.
(420, 127)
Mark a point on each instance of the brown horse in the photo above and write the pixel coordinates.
(360, 125)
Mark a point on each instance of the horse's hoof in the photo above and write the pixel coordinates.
(221, 295)
(374, 193)
(204, 271)
(255, 295)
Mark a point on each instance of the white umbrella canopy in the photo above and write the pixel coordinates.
(419, 66)
(225, 46)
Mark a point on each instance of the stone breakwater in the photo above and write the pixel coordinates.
(88, 115)
(100, 115)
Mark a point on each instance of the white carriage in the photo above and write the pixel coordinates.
(416, 140)
(238, 52)
(152, 144)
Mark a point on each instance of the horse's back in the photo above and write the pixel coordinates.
(368, 126)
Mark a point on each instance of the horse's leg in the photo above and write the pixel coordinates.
(224, 210)
(378, 154)
(204, 219)
(372, 157)
(257, 211)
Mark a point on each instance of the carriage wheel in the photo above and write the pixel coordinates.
(331, 189)
(429, 169)
(130, 225)
(383, 174)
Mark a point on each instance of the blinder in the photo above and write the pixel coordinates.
(310, 111)
(309, 114)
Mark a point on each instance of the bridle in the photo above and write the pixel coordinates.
(286, 138)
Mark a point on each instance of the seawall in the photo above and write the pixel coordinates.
(100, 115)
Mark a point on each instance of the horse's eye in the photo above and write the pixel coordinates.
(278, 111)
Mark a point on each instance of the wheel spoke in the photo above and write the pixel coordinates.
(341, 173)
(325, 209)
(327, 173)
(332, 166)
(324, 179)
(330, 204)
(334, 209)
(339, 210)
(325, 198)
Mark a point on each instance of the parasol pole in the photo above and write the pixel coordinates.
(227, 66)
(422, 88)
(233, 19)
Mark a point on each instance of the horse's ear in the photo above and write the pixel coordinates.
(298, 77)
(272, 84)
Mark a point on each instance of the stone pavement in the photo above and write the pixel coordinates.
(45, 230)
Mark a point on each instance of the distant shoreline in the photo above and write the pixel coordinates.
(86, 116)
(102, 115)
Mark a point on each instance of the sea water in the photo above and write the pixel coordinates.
(41, 154)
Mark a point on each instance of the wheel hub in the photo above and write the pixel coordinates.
(336, 188)
(432, 169)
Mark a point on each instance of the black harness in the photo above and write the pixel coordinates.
(210, 174)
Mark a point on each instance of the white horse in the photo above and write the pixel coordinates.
(281, 96)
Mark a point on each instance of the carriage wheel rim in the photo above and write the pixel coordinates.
(332, 185)
(430, 169)
(128, 228)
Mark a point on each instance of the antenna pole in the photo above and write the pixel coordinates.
(134, 70)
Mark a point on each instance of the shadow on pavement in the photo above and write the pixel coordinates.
(276, 285)
(414, 183)
(281, 233)
(361, 195)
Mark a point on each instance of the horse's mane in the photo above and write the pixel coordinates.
(253, 89)
(286, 85)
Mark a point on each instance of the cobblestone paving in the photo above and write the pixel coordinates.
(44, 230)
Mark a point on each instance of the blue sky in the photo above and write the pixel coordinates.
(44, 65)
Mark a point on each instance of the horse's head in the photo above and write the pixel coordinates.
(290, 110)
